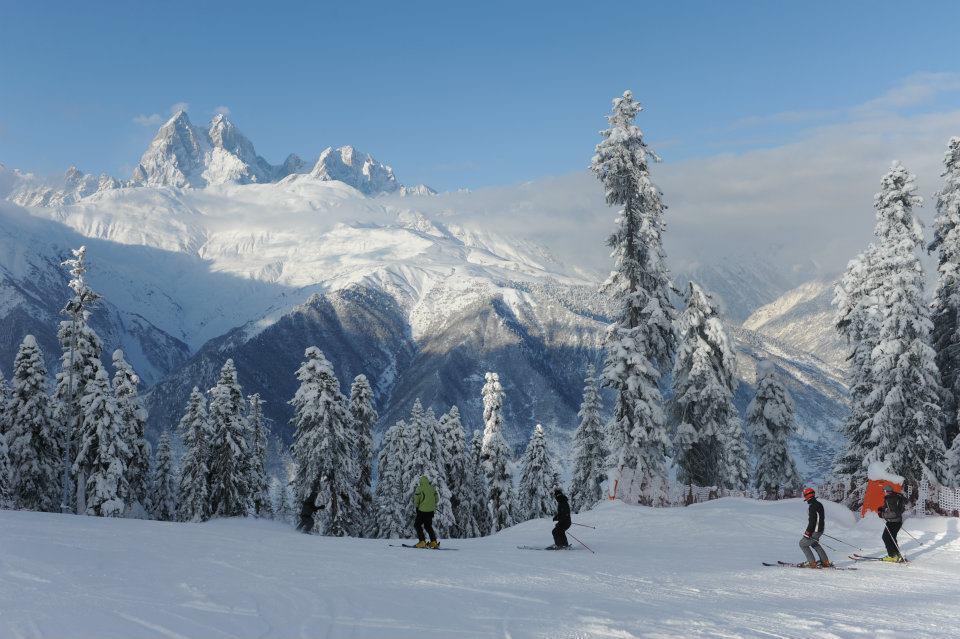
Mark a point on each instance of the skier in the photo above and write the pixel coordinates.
(816, 522)
(892, 512)
(307, 510)
(563, 521)
(425, 499)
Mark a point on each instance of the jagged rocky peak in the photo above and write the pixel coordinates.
(75, 185)
(359, 170)
(175, 157)
(417, 189)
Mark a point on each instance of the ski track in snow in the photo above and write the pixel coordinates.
(659, 573)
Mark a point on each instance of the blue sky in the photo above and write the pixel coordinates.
(453, 94)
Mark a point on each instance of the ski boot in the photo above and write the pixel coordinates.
(896, 559)
(825, 564)
(810, 564)
(433, 544)
(552, 547)
(421, 544)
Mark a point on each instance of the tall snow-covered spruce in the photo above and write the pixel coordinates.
(101, 451)
(455, 460)
(946, 305)
(425, 456)
(708, 441)
(589, 451)
(363, 419)
(771, 422)
(322, 448)
(6, 474)
(80, 366)
(392, 514)
(641, 339)
(539, 477)
(194, 504)
(497, 458)
(35, 463)
(229, 452)
(479, 488)
(907, 428)
(132, 418)
(162, 500)
(259, 486)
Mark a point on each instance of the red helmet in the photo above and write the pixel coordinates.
(809, 493)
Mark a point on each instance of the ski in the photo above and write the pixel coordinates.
(787, 564)
(857, 557)
(415, 548)
(542, 548)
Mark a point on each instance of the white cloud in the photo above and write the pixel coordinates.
(222, 110)
(148, 120)
(916, 90)
(179, 106)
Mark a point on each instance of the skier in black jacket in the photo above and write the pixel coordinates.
(563, 521)
(892, 512)
(816, 522)
(307, 510)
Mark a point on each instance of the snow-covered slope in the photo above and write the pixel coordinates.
(668, 573)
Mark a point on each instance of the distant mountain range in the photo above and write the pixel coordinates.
(210, 252)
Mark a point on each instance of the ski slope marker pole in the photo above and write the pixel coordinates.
(581, 543)
(844, 542)
(584, 525)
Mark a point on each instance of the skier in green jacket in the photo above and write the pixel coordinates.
(425, 499)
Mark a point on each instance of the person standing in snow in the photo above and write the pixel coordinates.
(894, 504)
(425, 499)
(816, 522)
(307, 510)
(563, 521)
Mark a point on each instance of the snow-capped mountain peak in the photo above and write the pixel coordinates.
(357, 169)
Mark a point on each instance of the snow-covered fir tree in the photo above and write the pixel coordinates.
(455, 459)
(133, 418)
(363, 419)
(770, 419)
(589, 450)
(162, 501)
(101, 451)
(479, 488)
(6, 474)
(392, 512)
(80, 366)
(708, 441)
(907, 428)
(857, 320)
(641, 338)
(259, 486)
(497, 457)
(425, 456)
(281, 500)
(32, 444)
(538, 479)
(322, 447)
(229, 452)
(946, 306)
(194, 496)
(953, 464)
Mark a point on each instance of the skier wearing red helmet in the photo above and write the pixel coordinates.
(816, 522)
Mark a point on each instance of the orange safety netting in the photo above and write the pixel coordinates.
(873, 498)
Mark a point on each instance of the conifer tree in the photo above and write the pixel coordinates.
(102, 451)
(6, 473)
(392, 511)
(194, 502)
(133, 419)
(455, 459)
(364, 419)
(480, 489)
(80, 366)
(857, 320)
(641, 339)
(322, 447)
(953, 463)
(589, 451)
(163, 496)
(771, 422)
(259, 487)
(35, 462)
(282, 501)
(907, 428)
(708, 443)
(497, 457)
(230, 455)
(538, 479)
(946, 306)
(425, 456)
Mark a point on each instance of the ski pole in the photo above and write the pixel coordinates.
(844, 542)
(896, 545)
(581, 543)
(584, 525)
(911, 536)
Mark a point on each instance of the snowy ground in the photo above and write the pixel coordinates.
(682, 572)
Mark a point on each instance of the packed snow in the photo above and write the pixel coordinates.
(670, 572)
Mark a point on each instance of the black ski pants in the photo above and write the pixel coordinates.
(890, 537)
(560, 533)
(424, 520)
